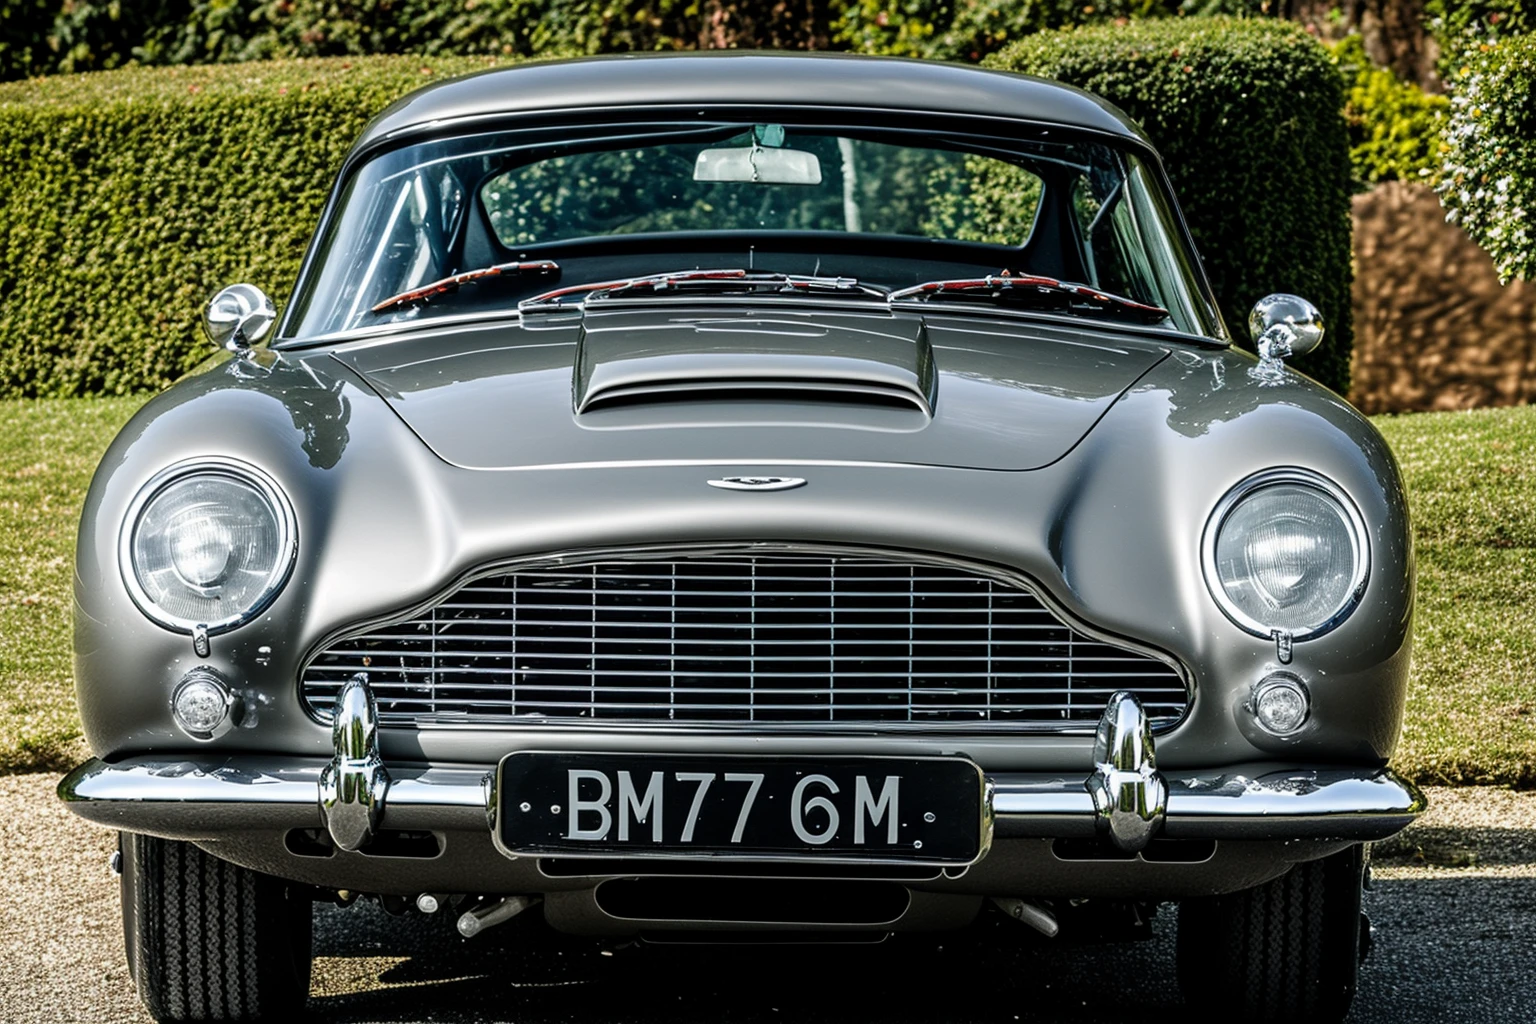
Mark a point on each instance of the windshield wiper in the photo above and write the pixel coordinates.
(451, 284)
(1046, 292)
(707, 282)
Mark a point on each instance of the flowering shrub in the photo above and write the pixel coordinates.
(1395, 128)
(1488, 176)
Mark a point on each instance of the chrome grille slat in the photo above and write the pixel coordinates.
(721, 639)
(947, 659)
(638, 674)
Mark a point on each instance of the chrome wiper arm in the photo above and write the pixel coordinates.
(450, 284)
(1030, 287)
(706, 281)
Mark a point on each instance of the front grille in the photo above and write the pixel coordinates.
(742, 638)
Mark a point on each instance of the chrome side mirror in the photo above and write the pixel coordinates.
(238, 317)
(1282, 326)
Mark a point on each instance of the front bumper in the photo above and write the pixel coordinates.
(212, 798)
(354, 796)
(1247, 824)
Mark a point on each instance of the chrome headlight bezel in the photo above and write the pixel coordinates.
(1359, 540)
(216, 466)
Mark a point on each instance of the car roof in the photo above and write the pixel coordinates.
(737, 77)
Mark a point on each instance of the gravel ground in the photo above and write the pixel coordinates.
(1454, 906)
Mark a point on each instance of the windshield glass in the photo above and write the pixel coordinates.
(417, 227)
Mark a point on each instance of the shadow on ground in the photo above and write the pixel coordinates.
(1447, 949)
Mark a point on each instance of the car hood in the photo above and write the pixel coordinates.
(742, 385)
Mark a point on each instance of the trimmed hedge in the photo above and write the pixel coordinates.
(127, 198)
(1488, 181)
(1247, 116)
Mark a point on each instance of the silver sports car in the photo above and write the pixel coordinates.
(746, 493)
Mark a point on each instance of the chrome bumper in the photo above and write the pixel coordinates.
(205, 799)
(353, 795)
(1124, 798)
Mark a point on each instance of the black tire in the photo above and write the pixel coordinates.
(211, 941)
(1287, 950)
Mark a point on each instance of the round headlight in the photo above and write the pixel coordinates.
(207, 544)
(1286, 550)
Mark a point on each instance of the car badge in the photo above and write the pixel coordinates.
(757, 483)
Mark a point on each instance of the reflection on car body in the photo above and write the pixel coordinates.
(746, 494)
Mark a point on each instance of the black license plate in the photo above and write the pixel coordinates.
(929, 810)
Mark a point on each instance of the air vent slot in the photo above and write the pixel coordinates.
(759, 390)
(635, 867)
(620, 359)
(761, 901)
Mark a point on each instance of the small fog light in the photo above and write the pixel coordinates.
(1281, 705)
(203, 706)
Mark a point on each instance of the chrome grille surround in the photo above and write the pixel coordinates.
(751, 636)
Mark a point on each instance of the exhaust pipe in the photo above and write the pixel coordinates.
(1038, 918)
(488, 915)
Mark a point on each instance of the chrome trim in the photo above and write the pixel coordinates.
(238, 317)
(988, 818)
(1297, 803)
(496, 317)
(352, 787)
(757, 483)
(1359, 538)
(1282, 325)
(209, 797)
(1004, 575)
(212, 465)
(1129, 796)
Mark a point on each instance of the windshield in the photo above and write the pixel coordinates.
(478, 223)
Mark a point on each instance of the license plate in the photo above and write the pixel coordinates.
(928, 810)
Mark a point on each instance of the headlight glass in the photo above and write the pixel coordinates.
(1288, 554)
(207, 546)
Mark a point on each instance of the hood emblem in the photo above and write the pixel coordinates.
(757, 483)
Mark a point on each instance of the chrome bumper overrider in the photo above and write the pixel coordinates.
(1124, 798)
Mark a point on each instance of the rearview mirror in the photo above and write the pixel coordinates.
(758, 164)
(238, 317)
(1282, 326)
(1285, 325)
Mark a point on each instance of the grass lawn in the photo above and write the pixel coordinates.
(48, 451)
(1472, 696)
(1472, 485)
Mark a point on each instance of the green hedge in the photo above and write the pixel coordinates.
(1396, 129)
(127, 198)
(1488, 181)
(1246, 114)
(47, 36)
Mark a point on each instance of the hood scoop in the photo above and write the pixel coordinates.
(624, 359)
(748, 387)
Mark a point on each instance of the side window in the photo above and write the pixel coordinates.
(1112, 247)
(419, 211)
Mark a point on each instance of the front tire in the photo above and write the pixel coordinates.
(211, 941)
(1287, 950)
